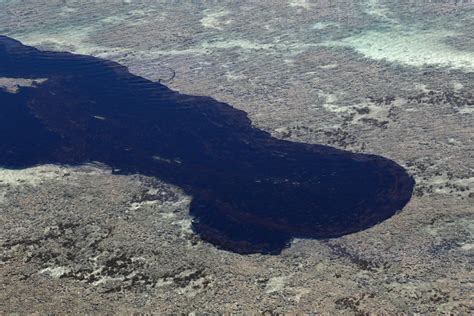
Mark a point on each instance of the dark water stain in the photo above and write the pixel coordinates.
(252, 193)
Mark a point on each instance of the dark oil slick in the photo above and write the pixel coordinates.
(251, 192)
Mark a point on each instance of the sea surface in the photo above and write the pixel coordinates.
(252, 193)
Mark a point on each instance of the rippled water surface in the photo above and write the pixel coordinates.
(251, 192)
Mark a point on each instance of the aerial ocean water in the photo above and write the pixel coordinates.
(252, 193)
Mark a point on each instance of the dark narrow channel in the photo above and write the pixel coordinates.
(252, 193)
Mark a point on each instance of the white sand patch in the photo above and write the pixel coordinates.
(64, 38)
(138, 205)
(276, 46)
(275, 284)
(164, 282)
(185, 225)
(323, 25)
(206, 47)
(334, 108)
(467, 247)
(422, 87)
(212, 19)
(31, 176)
(56, 272)
(282, 130)
(233, 76)
(239, 43)
(35, 176)
(300, 4)
(319, 26)
(300, 292)
(67, 11)
(107, 279)
(411, 46)
(114, 19)
(74, 40)
(131, 18)
(330, 98)
(330, 103)
(168, 215)
(13, 85)
(329, 66)
(467, 110)
(153, 53)
(378, 10)
(457, 86)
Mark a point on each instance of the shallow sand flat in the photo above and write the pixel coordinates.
(411, 46)
(31, 176)
(71, 234)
